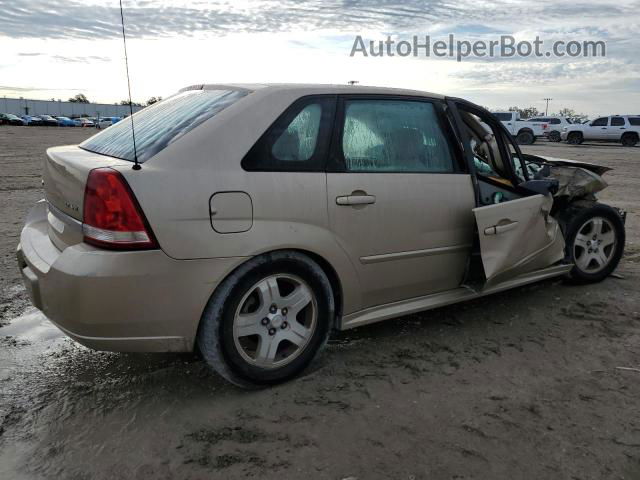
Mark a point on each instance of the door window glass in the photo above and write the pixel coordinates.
(617, 122)
(394, 136)
(600, 122)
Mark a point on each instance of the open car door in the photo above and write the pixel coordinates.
(517, 234)
(518, 237)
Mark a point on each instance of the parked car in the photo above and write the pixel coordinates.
(48, 120)
(67, 122)
(10, 119)
(264, 217)
(523, 131)
(105, 122)
(617, 128)
(556, 124)
(85, 122)
(32, 121)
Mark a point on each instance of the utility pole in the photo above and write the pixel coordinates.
(546, 110)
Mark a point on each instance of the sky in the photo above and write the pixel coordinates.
(57, 48)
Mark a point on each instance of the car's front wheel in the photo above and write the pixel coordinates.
(554, 136)
(594, 238)
(575, 138)
(268, 320)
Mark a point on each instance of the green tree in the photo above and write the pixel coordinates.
(525, 113)
(79, 98)
(153, 100)
(126, 102)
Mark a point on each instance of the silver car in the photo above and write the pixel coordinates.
(250, 221)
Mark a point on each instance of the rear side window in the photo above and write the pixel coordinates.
(617, 121)
(160, 124)
(635, 121)
(503, 117)
(298, 140)
(554, 121)
(394, 136)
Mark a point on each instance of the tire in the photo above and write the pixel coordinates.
(594, 237)
(629, 139)
(234, 347)
(575, 138)
(525, 138)
(555, 136)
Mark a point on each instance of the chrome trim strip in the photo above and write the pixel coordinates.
(385, 257)
(60, 215)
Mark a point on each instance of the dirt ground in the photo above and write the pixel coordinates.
(541, 382)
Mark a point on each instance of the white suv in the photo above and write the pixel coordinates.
(556, 124)
(618, 128)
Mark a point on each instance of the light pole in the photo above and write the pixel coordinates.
(546, 110)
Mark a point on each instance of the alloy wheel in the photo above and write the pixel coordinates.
(275, 321)
(594, 245)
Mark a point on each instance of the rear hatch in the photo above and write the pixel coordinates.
(65, 176)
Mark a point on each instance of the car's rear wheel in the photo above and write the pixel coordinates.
(554, 136)
(594, 237)
(525, 138)
(575, 138)
(629, 139)
(268, 320)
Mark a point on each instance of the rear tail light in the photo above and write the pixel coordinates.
(112, 217)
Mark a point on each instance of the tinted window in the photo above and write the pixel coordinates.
(394, 136)
(297, 141)
(600, 122)
(617, 121)
(503, 117)
(635, 121)
(162, 123)
(554, 121)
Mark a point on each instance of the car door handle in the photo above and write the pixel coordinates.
(603, 128)
(498, 229)
(356, 200)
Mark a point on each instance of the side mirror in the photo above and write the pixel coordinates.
(544, 187)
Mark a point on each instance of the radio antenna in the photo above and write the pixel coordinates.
(136, 164)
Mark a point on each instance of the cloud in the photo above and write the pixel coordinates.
(80, 59)
(76, 19)
(30, 54)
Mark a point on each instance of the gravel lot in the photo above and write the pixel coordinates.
(524, 384)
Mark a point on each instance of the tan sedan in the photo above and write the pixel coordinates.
(250, 221)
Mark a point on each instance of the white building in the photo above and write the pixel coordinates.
(24, 106)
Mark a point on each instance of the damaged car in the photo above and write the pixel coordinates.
(264, 217)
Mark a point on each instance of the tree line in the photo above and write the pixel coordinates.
(81, 98)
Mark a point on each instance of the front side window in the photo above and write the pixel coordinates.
(394, 136)
(160, 124)
(600, 122)
(555, 121)
(617, 122)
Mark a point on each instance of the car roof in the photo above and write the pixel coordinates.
(315, 89)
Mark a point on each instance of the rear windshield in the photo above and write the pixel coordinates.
(503, 116)
(160, 124)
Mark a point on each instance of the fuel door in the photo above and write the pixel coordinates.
(231, 212)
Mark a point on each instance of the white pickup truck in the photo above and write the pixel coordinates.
(525, 132)
(618, 128)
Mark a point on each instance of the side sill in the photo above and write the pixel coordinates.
(428, 302)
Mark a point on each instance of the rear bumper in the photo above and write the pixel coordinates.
(117, 301)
